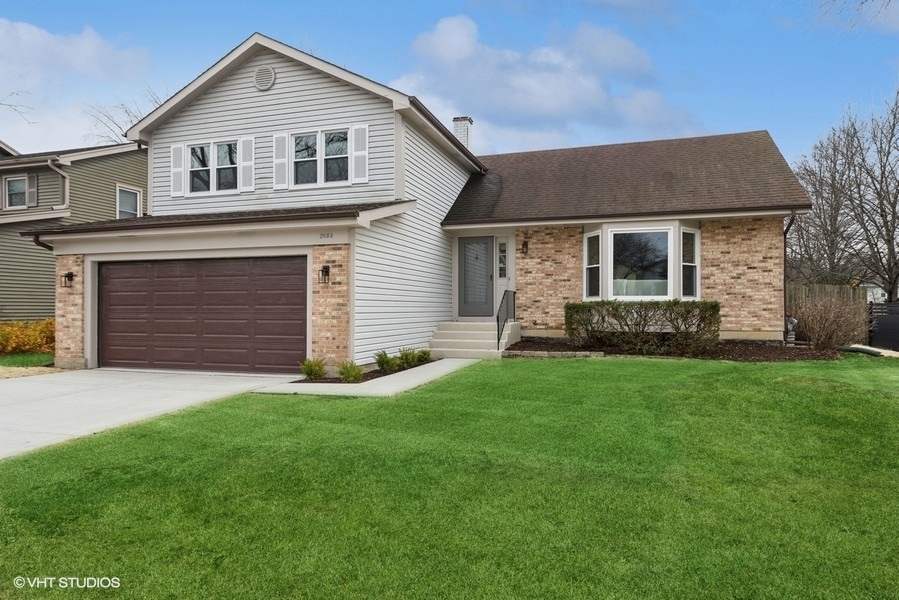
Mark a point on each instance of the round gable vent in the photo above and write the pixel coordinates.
(264, 78)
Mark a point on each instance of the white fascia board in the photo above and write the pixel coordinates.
(367, 216)
(22, 216)
(690, 216)
(198, 230)
(140, 131)
(8, 148)
(69, 158)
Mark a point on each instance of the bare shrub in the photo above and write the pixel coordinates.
(831, 322)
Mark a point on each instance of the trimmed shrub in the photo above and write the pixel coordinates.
(678, 327)
(17, 337)
(313, 369)
(350, 372)
(831, 322)
(408, 358)
(424, 356)
(386, 363)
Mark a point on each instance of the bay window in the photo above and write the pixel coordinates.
(633, 263)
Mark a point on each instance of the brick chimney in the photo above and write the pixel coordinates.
(462, 130)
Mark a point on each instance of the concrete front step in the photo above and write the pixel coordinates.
(469, 339)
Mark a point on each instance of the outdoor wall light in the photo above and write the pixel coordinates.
(66, 279)
(324, 275)
(524, 247)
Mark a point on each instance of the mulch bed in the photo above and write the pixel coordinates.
(726, 350)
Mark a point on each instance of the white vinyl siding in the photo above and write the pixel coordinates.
(302, 99)
(403, 264)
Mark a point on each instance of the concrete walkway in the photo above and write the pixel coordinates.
(42, 410)
(882, 351)
(389, 385)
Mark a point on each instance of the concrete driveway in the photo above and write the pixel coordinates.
(47, 409)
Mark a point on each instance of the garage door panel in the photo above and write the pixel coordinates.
(229, 314)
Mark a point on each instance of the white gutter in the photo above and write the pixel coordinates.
(65, 184)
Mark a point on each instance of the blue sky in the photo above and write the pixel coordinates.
(532, 74)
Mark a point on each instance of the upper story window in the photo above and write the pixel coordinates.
(213, 168)
(127, 203)
(310, 166)
(15, 192)
(325, 157)
(206, 175)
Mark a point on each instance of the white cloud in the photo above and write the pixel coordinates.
(57, 74)
(544, 97)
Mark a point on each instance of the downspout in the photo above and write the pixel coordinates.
(786, 231)
(65, 185)
(37, 240)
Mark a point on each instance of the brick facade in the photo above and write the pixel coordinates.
(70, 313)
(330, 328)
(547, 277)
(742, 268)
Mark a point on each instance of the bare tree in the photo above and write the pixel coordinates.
(873, 156)
(820, 243)
(111, 122)
(11, 102)
(852, 233)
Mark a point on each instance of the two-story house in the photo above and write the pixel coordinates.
(298, 210)
(51, 189)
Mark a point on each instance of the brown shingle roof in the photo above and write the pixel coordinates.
(722, 173)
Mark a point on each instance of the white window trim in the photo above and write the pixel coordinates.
(674, 232)
(357, 157)
(697, 248)
(320, 158)
(586, 265)
(5, 204)
(213, 166)
(140, 199)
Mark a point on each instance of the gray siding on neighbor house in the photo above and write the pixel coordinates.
(403, 264)
(302, 100)
(27, 279)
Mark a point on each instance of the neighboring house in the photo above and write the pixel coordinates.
(50, 189)
(300, 210)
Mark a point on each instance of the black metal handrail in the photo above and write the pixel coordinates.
(504, 314)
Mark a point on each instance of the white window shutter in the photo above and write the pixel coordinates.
(246, 161)
(360, 154)
(281, 162)
(31, 191)
(177, 170)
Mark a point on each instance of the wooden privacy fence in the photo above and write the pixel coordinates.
(813, 291)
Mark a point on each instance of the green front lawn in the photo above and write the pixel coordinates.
(627, 478)
(26, 359)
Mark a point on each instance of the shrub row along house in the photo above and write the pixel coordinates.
(296, 210)
(51, 189)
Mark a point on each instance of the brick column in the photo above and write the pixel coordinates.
(70, 313)
(331, 304)
(742, 268)
(547, 277)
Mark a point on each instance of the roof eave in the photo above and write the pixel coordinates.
(775, 211)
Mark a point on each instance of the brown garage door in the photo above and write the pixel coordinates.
(241, 314)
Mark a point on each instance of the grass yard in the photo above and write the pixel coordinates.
(625, 478)
(26, 359)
